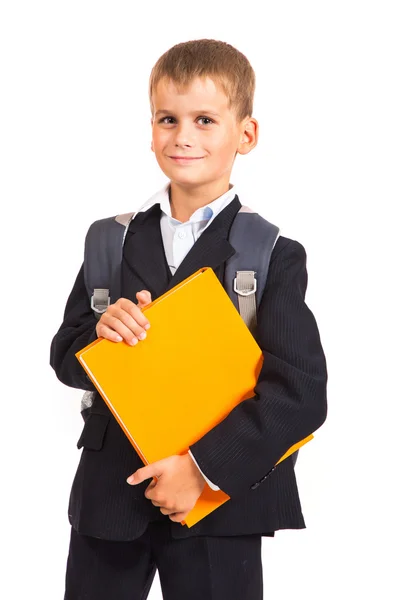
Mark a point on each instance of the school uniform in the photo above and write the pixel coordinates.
(237, 456)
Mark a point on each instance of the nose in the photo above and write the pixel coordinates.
(184, 136)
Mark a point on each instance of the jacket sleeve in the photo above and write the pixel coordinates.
(77, 330)
(290, 396)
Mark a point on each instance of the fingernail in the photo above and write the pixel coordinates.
(142, 335)
(130, 479)
(134, 341)
(147, 326)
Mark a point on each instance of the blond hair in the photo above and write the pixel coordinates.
(208, 58)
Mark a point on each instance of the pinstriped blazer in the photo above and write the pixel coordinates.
(240, 452)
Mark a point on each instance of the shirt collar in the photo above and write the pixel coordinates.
(207, 212)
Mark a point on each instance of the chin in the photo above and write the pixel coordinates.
(181, 175)
(188, 181)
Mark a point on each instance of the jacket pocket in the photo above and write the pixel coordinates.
(94, 430)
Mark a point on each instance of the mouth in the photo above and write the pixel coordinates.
(185, 159)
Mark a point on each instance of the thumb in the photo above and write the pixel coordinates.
(144, 298)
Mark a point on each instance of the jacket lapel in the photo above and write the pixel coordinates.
(144, 249)
(144, 255)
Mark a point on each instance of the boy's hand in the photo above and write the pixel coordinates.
(124, 320)
(178, 488)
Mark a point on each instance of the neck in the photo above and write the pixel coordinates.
(185, 200)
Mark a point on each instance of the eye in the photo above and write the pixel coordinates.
(206, 119)
(165, 122)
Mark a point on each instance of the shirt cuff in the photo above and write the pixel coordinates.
(212, 485)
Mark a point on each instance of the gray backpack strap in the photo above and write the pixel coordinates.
(253, 238)
(102, 269)
(102, 260)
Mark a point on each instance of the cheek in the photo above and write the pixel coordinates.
(222, 143)
(222, 151)
(159, 140)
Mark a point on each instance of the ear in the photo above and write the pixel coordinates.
(151, 125)
(248, 136)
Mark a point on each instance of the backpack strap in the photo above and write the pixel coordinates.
(253, 238)
(102, 260)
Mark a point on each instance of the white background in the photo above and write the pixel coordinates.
(75, 146)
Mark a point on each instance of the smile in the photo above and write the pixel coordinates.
(185, 160)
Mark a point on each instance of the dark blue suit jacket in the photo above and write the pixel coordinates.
(240, 452)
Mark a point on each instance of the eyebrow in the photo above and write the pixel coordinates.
(195, 112)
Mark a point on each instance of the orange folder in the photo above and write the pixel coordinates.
(198, 362)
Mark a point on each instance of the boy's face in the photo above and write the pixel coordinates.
(198, 124)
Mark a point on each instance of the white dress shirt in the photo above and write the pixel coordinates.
(178, 238)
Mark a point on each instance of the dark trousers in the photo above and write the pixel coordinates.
(194, 568)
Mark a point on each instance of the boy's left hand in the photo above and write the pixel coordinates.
(178, 488)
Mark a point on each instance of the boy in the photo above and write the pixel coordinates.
(124, 529)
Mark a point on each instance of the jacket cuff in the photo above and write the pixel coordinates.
(210, 483)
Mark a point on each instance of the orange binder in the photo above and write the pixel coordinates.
(198, 362)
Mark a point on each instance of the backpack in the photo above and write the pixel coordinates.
(252, 236)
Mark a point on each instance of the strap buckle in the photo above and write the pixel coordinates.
(248, 292)
(102, 305)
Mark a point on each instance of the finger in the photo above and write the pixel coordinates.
(134, 311)
(178, 516)
(144, 298)
(166, 511)
(109, 334)
(123, 323)
(114, 330)
(149, 490)
(131, 315)
(152, 470)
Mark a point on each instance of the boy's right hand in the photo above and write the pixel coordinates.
(124, 320)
